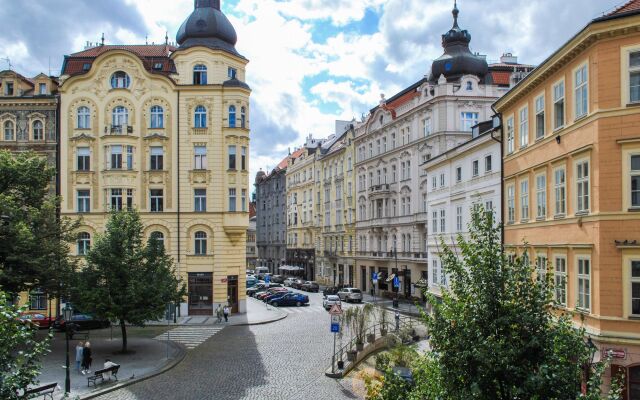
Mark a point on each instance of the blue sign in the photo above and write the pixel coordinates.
(335, 328)
(396, 282)
(267, 278)
(375, 276)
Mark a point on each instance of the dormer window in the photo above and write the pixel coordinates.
(469, 86)
(86, 67)
(200, 74)
(42, 88)
(120, 80)
(232, 72)
(381, 119)
(157, 67)
(8, 89)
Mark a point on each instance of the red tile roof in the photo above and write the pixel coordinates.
(149, 54)
(633, 5)
(501, 77)
(143, 50)
(252, 209)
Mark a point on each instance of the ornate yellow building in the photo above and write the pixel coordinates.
(165, 130)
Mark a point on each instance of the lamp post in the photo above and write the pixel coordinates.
(395, 289)
(587, 365)
(67, 313)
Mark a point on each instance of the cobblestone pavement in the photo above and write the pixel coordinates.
(282, 360)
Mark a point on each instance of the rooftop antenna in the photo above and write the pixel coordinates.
(146, 39)
(102, 41)
(8, 61)
(166, 38)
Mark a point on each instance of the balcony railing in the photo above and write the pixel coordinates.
(121, 129)
(382, 188)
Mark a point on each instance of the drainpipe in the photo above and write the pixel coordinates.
(177, 169)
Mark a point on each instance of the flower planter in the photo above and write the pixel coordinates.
(340, 364)
(359, 346)
(371, 337)
(351, 355)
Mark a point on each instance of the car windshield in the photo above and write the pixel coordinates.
(333, 297)
(355, 291)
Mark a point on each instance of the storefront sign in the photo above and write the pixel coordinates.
(614, 353)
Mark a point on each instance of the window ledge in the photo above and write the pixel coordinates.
(524, 221)
(583, 311)
(634, 317)
(581, 213)
(541, 218)
(559, 216)
(558, 128)
(581, 117)
(539, 139)
(634, 209)
(635, 104)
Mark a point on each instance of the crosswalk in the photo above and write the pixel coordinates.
(190, 336)
(309, 309)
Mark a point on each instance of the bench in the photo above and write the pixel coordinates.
(83, 335)
(99, 375)
(46, 391)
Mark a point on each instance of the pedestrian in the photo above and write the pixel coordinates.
(86, 358)
(397, 320)
(79, 351)
(108, 364)
(225, 311)
(219, 313)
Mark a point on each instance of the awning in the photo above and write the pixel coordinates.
(390, 278)
(290, 268)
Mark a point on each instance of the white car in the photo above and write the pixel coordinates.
(350, 295)
(330, 300)
(289, 281)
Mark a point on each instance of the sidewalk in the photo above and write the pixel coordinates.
(404, 306)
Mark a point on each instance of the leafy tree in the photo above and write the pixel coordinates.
(126, 280)
(20, 351)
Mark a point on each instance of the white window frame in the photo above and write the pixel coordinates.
(633, 280)
(560, 279)
(523, 131)
(511, 203)
(475, 168)
(583, 297)
(510, 135)
(459, 218)
(559, 95)
(560, 191)
(633, 173)
(541, 196)
(583, 185)
(84, 201)
(524, 200)
(468, 119)
(541, 266)
(581, 91)
(540, 112)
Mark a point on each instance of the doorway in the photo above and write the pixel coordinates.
(232, 292)
(363, 279)
(201, 293)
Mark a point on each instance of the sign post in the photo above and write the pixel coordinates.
(336, 314)
(374, 281)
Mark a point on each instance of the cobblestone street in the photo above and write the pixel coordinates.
(281, 360)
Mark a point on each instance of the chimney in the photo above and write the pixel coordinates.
(508, 58)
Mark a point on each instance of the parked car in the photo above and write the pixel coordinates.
(289, 281)
(331, 300)
(263, 295)
(251, 281)
(310, 286)
(350, 295)
(258, 287)
(279, 293)
(330, 290)
(82, 321)
(41, 320)
(277, 278)
(291, 299)
(297, 283)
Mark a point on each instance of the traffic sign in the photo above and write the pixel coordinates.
(335, 328)
(375, 278)
(396, 282)
(335, 319)
(335, 310)
(267, 278)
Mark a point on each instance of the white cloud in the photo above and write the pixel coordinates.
(15, 53)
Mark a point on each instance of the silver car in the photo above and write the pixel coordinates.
(330, 301)
(350, 295)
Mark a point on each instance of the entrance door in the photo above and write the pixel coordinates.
(634, 383)
(407, 283)
(363, 279)
(201, 293)
(232, 292)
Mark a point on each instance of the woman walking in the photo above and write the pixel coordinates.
(79, 351)
(86, 358)
(225, 311)
(219, 313)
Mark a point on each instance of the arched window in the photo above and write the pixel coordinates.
(157, 117)
(469, 85)
(232, 116)
(84, 243)
(84, 118)
(243, 117)
(200, 75)
(120, 80)
(158, 237)
(120, 118)
(200, 117)
(8, 130)
(38, 130)
(200, 243)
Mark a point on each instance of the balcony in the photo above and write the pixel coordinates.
(235, 224)
(119, 130)
(199, 131)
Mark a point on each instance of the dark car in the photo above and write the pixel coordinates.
(277, 278)
(38, 319)
(291, 299)
(273, 296)
(259, 287)
(297, 283)
(82, 321)
(330, 290)
(310, 286)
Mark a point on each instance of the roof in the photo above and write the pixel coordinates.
(630, 6)
(149, 54)
(142, 50)
(19, 76)
(252, 209)
(510, 65)
(501, 77)
(400, 98)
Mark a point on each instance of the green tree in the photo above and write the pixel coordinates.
(20, 351)
(126, 280)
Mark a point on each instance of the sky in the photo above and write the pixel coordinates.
(311, 61)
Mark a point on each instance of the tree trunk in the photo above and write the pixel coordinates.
(123, 329)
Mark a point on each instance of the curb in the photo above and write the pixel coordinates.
(281, 317)
(181, 355)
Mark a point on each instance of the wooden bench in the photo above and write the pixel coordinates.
(112, 371)
(46, 391)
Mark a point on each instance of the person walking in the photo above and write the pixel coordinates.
(226, 311)
(219, 313)
(86, 358)
(79, 351)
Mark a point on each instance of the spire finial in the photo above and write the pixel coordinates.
(102, 40)
(455, 13)
(166, 37)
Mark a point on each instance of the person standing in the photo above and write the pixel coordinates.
(79, 351)
(86, 358)
(225, 311)
(219, 313)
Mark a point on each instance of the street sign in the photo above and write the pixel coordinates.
(396, 282)
(267, 278)
(335, 310)
(335, 328)
(335, 319)
(375, 278)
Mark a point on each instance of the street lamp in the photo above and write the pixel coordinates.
(67, 313)
(587, 365)
(395, 289)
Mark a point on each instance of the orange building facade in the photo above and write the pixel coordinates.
(571, 194)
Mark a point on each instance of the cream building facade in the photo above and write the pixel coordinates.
(165, 130)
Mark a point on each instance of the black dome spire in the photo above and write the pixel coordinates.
(457, 59)
(207, 26)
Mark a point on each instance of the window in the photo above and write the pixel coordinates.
(511, 204)
(83, 159)
(200, 157)
(157, 202)
(8, 89)
(468, 120)
(443, 220)
(540, 117)
(84, 243)
(84, 201)
(434, 272)
(469, 86)
(232, 72)
(232, 199)
(157, 117)
(37, 300)
(199, 200)
(560, 191)
(200, 75)
(524, 200)
(243, 117)
(635, 287)
(8, 130)
(158, 237)
(232, 116)
(584, 284)
(582, 183)
(434, 182)
(42, 88)
(475, 168)
(427, 126)
(157, 66)
(524, 127)
(116, 200)
(560, 278)
(541, 196)
(635, 181)
(541, 268)
(200, 117)
(434, 221)
(157, 158)
(558, 105)
(393, 140)
(116, 157)
(487, 164)
(441, 180)
(510, 136)
(120, 80)
(232, 157)
(458, 174)
(243, 199)
(459, 218)
(84, 118)
(634, 77)
(129, 157)
(119, 118)
(243, 158)
(200, 243)
(581, 80)
(86, 67)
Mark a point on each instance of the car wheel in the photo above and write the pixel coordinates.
(298, 304)
(274, 304)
